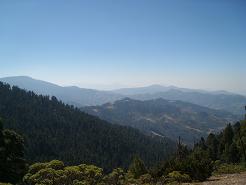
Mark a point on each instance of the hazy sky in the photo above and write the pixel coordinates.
(112, 43)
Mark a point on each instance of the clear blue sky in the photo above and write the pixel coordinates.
(196, 44)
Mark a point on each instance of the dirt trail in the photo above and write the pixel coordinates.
(229, 179)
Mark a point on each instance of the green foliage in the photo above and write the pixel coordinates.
(182, 151)
(241, 139)
(198, 165)
(55, 173)
(145, 179)
(137, 168)
(228, 146)
(221, 152)
(53, 130)
(233, 154)
(212, 146)
(176, 176)
(116, 177)
(12, 163)
(228, 135)
(229, 169)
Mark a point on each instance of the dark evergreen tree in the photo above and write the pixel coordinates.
(53, 130)
(241, 139)
(212, 146)
(199, 166)
(201, 144)
(137, 168)
(181, 151)
(228, 135)
(12, 163)
(236, 128)
(233, 154)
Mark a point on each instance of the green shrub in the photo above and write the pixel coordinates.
(198, 165)
(137, 168)
(176, 176)
(55, 173)
(229, 169)
(116, 177)
(145, 179)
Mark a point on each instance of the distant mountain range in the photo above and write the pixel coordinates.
(71, 95)
(152, 89)
(164, 117)
(232, 103)
(220, 100)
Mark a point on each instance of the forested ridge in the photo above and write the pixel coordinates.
(53, 130)
(164, 117)
(218, 154)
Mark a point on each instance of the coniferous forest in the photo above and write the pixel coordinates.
(53, 130)
(44, 141)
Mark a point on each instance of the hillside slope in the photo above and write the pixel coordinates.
(53, 130)
(228, 102)
(164, 117)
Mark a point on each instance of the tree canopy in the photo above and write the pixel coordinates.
(53, 130)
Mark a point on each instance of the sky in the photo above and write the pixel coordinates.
(125, 43)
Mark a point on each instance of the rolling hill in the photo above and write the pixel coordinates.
(232, 103)
(164, 117)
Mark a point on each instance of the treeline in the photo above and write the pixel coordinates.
(53, 130)
(13, 166)
(228, 146)
(185, 166)
(207, 155)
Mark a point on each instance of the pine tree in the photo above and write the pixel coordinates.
(137, 168)
(233, 154)
(228, 135)
(182, 151)
(212, 144)
(13, 166)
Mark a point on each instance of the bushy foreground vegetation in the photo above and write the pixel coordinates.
(218, 154)
(225, 168)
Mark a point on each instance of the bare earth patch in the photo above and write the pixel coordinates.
(227, 179)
